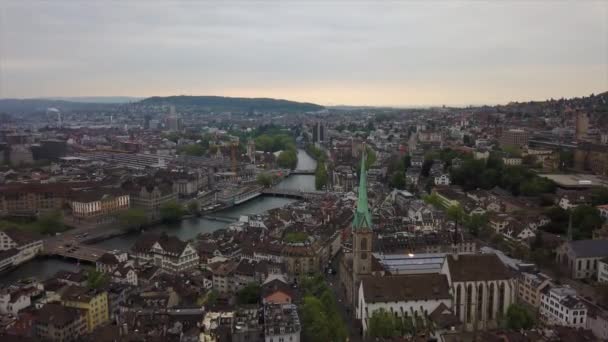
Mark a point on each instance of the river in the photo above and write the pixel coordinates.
(186, 229)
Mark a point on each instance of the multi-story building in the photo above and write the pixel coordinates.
(514, 138)
(31, 199)
(55, 322)
(529, 287)
(560, 306)
(93, 302)
(99, 205)
(27, 244)
(581, 257)
(319, 133)
(442, 179)
(169, 253)
(281, 323)
(150, 196)
(602, 270)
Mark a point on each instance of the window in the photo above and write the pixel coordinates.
(479, 301)
(588, 263)
(469, 302)
(458, 300)
(363, 243)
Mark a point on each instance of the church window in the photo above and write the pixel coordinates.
(479, 301)
(501, 298)
(363, 243)
(469, 297)
(458, 300)
(491, 301)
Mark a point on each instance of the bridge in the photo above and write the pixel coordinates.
(302, 172)
(293, 193)
(72, 250)
(219, 218)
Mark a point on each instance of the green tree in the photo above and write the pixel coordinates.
(585, 220)
(599, 196)
(250, 294)
(288, 159)
(476, 223)
(397, 180)
(321, 177)
(264, 179)
(171, 211)
(194, 207)
(383, 324)
(192, 150)
(133, 218)
(518, 317)
(50, 222)
(96, 279)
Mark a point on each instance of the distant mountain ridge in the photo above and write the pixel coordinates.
(234, 104)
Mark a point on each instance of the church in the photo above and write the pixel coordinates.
(463, 291)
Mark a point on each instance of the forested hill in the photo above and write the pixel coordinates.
(233, 104)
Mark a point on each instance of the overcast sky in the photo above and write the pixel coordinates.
(358, 53)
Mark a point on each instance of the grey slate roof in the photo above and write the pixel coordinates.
(589, 248)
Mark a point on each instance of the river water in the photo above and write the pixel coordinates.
(186, 229)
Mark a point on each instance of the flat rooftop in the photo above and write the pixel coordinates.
(576, 180)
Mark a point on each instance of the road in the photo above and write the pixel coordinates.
(347, 316)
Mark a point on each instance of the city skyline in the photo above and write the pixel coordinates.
(393, 54)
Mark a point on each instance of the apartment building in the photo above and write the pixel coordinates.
(99, 205)
(93, 302)
(169, 253)
(530, 286)
(55, 322)
(560, 306)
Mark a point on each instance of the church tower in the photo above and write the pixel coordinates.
(362, 231)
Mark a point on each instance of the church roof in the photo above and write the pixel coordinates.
(477, 267)
(405, 287)
(363, 218)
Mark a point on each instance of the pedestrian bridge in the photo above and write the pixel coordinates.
(293, 193)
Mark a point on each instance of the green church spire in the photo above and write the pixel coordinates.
(363, 218)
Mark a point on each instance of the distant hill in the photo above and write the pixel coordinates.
(26, 106)
(96, 99)
(234, 104)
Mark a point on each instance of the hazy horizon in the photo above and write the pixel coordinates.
(391, 54)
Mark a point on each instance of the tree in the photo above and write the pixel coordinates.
(599, 196)
(194, 207)
(397, 180)
(50, 222)
(476, 223)
(133, 218)
(585, 220)
(455, 213)
(96, 279)
(171, 211)
(288, 159)
(426, 167)
(320, 176)
(250, 294)
(264, 179)
(383, 324)
(518, 317)
(192, 150)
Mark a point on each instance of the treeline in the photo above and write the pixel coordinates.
(47, 223)
(480, 174)
(321, 320)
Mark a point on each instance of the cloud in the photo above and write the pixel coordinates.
(378, 51)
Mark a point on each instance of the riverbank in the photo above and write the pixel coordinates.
(186, 229)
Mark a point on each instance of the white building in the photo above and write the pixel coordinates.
(406, 296)
(512, 161)
(169, 253)
(27, 244)
(560, 306)
(602, 270)
(281, 323)
(11, 302)
(443, 179)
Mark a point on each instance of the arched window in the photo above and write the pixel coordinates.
(501, 299)
(491, 301)
(469, 302)
(363, 244)
(479, 301)
(458, 299)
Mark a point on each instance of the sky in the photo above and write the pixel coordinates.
(343, 52)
